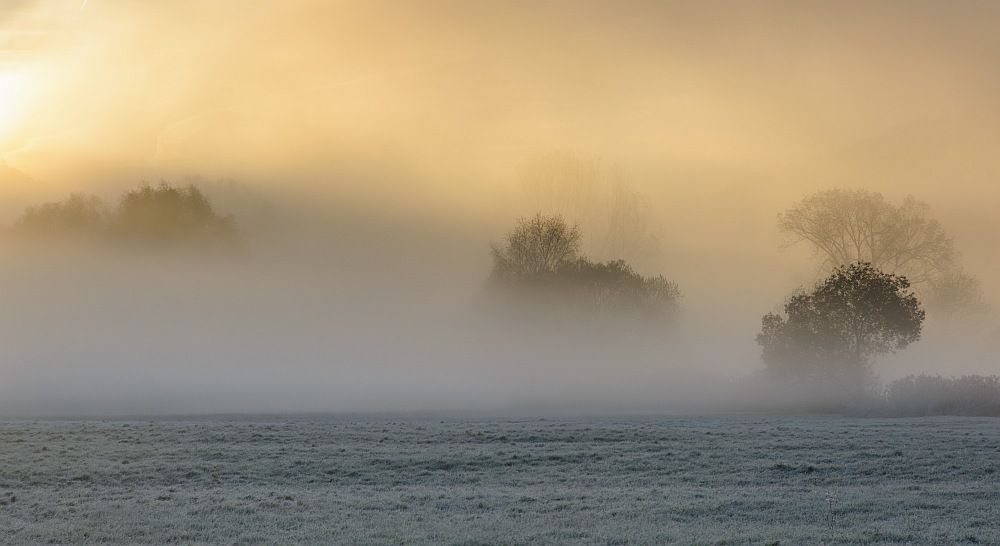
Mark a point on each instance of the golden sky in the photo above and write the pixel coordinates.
(724, 112)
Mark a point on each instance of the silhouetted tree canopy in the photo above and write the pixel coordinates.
(850, 226)
(834, 333)
(537, 270)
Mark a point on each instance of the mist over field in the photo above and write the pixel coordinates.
(370, 153)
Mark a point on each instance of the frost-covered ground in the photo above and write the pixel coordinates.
(720, 479)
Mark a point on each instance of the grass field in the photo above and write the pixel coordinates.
(684, 479)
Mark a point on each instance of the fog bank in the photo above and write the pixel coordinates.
(373, 151)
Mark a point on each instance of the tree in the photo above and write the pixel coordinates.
(579, 187)
(849, 226)
(834, 333)
(535, 246)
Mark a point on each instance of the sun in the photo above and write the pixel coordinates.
(13, 95)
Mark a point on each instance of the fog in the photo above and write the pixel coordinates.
(374, 149)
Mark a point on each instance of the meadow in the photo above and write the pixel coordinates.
(451, 479)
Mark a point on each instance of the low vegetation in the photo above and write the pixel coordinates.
(919, 395)
(723, 479)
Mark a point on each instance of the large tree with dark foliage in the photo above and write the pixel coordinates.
(834, 333)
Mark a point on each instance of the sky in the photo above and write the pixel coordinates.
(389, 135)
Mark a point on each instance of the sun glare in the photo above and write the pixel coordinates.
(12, 95)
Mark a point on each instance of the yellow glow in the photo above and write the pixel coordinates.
(12, 100)
(723, 117)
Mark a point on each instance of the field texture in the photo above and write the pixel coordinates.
(721, 479)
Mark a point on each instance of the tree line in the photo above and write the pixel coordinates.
(883, 267)
(162, 216)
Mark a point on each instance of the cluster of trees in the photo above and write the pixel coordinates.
(866, 307)
(881, 265)
(164, 216)
(538, 272)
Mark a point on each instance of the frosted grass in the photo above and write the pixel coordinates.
(723, 479)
